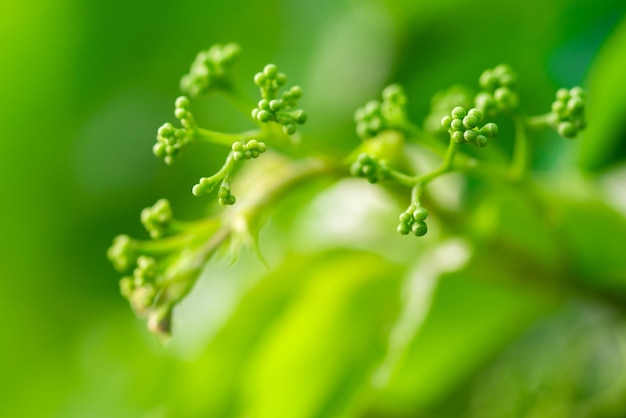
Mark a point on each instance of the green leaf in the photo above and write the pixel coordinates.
(304, 340)
(594, 237)
(474, 313)
(603, 141)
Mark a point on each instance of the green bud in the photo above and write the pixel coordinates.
(182, 102)
(263, 116)
(567, 130)
(289, 129)
(456, 125)
(420, 214)
(270, 70)
(563, 94)
(470, 121)
(446, 121)
(259, 79)
(469, 136)
(481, 140)
(419, 229)
(301, 117)
(458, 137)
(276, 105)
(295, 92)
(458, 112)
(490, 130)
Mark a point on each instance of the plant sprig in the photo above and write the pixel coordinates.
(160, 271)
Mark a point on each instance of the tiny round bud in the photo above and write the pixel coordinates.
(481, 140)
(457, 137)
(577, 92)
(563, 94)
(259, 79)
(263, 116)
(567, 130)
(475, 113)
(270, 70)
(420, 214)
(470, 121)
(276, 105)
(375, 124)
(404, 217)
(181, 113)
(403, 228)
(559, 107)
(158, 149)
(281, 79)
(289, 129)
(182, 102)
(458, 112)
(470, 135)
(372, 107)
(575, 104)
(446, 121)
(255, 112)
(295, 92)
(419, 229)
(301, 117)
(264, 104)
(487, 80)
(456, 125)
(252, 144)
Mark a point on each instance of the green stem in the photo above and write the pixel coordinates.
(445, 167)
(540, 121)
(519, 162)
(222, 138)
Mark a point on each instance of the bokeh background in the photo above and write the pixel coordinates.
(85, 84)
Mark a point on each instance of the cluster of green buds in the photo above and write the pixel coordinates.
(141, 288)
(568, 111)
(464, 127)
(210, 70)
(155, 271)
(247, 150)
(171, 140)
(240, 151)
(157, 218)
(272, 108)
(498, 94)
(370, 168)
(376, 116)
(413, 220)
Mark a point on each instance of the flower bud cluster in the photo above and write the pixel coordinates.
(210, 70)
(171, 140)
(377, 116)
(245, 151)
(569, 111)
(498, 90)
(412, 221)
(464, 127)
(272, 108)
(369, 168)
(224, 195)
(157, 218)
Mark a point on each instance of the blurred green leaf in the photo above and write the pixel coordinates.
(604, 141)
(594, 237)
(474, 313)
(311, 332)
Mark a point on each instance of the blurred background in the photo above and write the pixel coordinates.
(339, 327)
